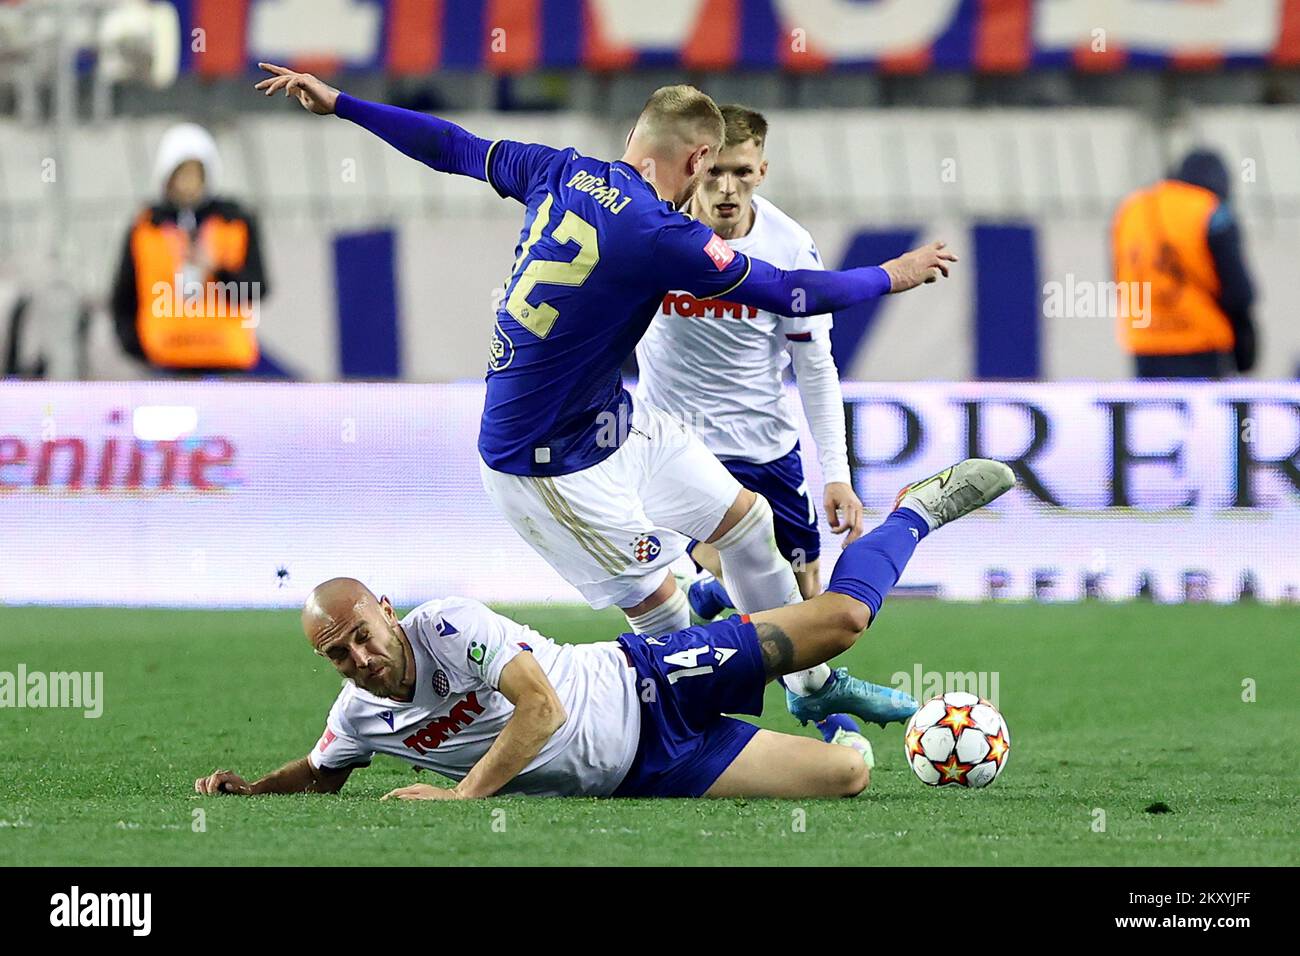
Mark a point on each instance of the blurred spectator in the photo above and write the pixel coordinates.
(1194, 318)
(45, 323)
(191, 279)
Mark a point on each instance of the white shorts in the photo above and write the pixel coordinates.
(613, 529)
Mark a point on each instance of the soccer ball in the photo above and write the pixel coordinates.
(957, 739)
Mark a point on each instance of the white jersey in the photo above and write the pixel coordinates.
(460, 648)
(719, 366)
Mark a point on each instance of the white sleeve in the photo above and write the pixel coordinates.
(806, 257)
(823, 402)
(339, 746)
(474, 643)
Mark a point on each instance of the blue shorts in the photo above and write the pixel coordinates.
(782, 483)
(687, 680)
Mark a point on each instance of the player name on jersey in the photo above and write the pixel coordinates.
(604, 195)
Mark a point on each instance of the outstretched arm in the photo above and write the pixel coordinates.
(688, 255)
(538, 714)
(296, 777)
(508, 167)
(437, 143)
(812, 291)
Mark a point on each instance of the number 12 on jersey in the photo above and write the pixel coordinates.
(540, 318)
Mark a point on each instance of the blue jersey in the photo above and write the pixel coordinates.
(597, 253)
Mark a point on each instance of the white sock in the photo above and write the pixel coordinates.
(758, 577)
(673, 615)
(807, 682)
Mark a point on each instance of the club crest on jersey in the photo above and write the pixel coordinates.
(646, 549)
(501, 351)
(718, 250)
(440, 685)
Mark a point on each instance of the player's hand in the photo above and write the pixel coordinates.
(918, 266)
(843, 511)
(422, 791)
(315, 96)
(222, 781)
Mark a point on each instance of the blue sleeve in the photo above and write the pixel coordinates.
(799, 292)
(688, 255)
(514, 167)
(1236, 293)
(692, 257)
(507, 166)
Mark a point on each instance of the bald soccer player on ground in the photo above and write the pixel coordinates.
(456, 688)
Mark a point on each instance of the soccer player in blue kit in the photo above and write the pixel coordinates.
(608, 492)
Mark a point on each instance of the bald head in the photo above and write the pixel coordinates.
(332, 605)
(360, 635)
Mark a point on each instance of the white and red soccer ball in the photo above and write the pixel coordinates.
(957, 740)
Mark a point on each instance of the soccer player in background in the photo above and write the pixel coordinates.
(456, 688)
(719, 366)
(610, 491)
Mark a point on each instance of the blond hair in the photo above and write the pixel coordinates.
(743, 124)
(684, 113)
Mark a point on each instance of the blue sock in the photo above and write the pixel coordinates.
(836, 722)
(709, 598)
(870, 566)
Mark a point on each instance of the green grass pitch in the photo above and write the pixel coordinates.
(1112, 708)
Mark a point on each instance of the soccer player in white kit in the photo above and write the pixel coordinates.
(456, 688)
(718, 366)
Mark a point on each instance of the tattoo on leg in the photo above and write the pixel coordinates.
(778, 650)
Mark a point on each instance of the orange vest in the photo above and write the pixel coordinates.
(208, 326)
(1159, 237)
